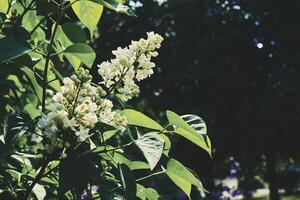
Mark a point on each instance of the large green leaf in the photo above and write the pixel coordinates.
(196, 122)
(193, 138)
(139, 119)
(14, 174)
(88, 12)
(68, 34)
(128, 182)
(176, 120)
(39, 191)
(182, 177)
(183, 128)
(152, 146)
(3, 6)
(83, 52)
(15, 125)
(12, 48)
(146, 193)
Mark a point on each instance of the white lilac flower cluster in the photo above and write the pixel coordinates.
(130, 64)
(78, 107)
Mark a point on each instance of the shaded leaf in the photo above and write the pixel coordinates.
(15, 126)
(128, 182)
(35, 85)
(12, 48)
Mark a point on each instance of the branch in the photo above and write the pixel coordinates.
(45, 75)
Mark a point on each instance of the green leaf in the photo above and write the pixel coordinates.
(146, 193)
(176, 120)
(109, 134)
(152, 194)
(139, 119)
(133, 165)
(15, 126)
(15, 174)
(140, 192)
(66, 35)
(35, 85)
(83, 52)
(39, 191)
(187, 131)
(167, 146)
(128, 182)
(181, 176)
(88, 12)
(193, 138)
(196, 122)
(3, 6)
(70, 33)
(152, 146)
(12, 48)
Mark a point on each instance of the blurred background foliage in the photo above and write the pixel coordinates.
(233, 62)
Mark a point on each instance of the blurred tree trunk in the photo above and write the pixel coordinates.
(271, 174)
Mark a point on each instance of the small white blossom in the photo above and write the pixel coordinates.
(78, 107)
(131, 64)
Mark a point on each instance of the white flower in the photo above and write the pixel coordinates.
(89, 119)
(58, 97)
(121, 8)
(132, 63)
(82, 133)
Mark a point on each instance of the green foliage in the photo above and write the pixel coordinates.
(182, 128)
(139, 119)
(11, 48)
(88, 12)
(151, 146)
(37, 51)
(182, 177)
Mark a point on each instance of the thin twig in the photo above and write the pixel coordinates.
(45, 76)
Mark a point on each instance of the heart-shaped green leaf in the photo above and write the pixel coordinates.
(152, 146)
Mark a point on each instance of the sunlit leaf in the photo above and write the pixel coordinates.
(152, 146)
(39, 191)
(181, 176)
(139, 119)
(196, 123)
(88, 12)
(193, 138)
(3, 6)
(146, 193)
(83, 52)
